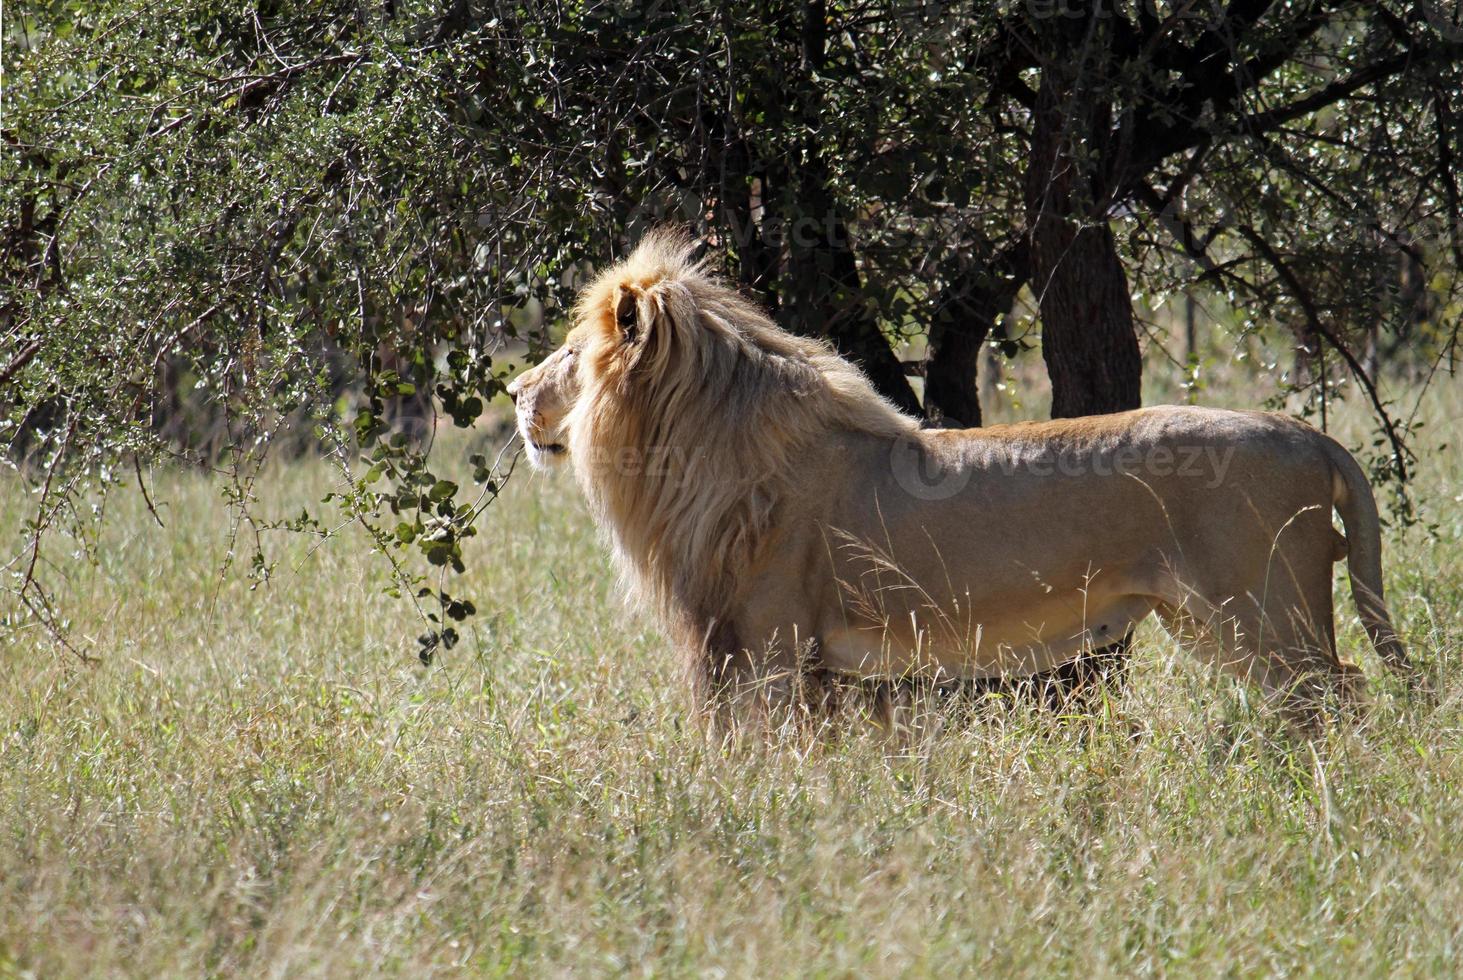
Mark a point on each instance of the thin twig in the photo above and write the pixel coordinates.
(141, 485)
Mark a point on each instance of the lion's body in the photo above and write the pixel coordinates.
(1009, 550)
(781, 516)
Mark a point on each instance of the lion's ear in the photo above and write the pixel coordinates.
(627, 314)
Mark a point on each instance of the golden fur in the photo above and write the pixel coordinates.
(784, 519)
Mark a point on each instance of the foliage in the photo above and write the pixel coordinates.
(231, 228)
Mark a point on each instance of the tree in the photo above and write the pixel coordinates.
(1259, 122)
(1088, 337)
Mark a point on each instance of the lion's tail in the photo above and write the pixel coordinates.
(1351, 494)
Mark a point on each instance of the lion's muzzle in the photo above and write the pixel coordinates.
(539, 406)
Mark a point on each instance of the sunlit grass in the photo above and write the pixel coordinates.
(267, 782)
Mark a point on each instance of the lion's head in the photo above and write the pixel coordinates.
(619, 327)
(621, 316)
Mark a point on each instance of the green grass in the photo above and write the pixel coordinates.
(268, 783)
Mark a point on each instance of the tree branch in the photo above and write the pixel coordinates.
(1344, 88)
(20, 360)
(1447, 171)
(1163, 127)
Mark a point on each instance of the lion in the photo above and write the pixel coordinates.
(786, 522)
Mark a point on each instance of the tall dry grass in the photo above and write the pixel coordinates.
(267, 783)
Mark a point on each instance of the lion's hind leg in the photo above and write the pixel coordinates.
(1273, 630)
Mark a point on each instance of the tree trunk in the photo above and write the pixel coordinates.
(952, 396)
(824, 297)
(1088, 338)
(965, 312)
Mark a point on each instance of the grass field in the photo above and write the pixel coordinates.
(267, 783)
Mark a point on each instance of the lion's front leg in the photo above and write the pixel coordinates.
(769, 683)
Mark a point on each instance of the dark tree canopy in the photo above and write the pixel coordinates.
(228, 226)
